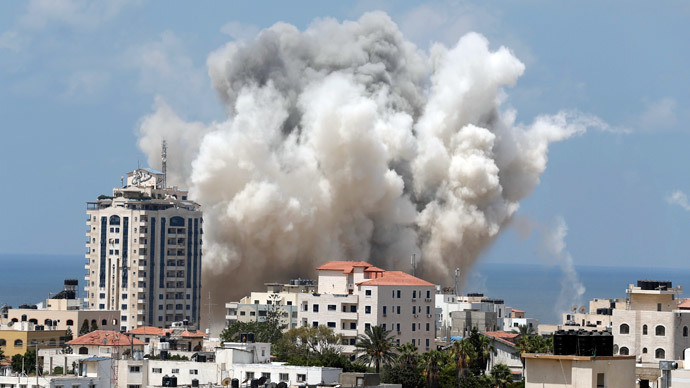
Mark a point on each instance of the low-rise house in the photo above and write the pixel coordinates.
(505, 352)
(106, 343)
(18, 337)
(566, 371)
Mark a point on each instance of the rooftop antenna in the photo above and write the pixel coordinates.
(164, 159)
(413, 262)
(457, 275)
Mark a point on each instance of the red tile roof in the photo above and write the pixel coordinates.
(196, 334)
(345, 266)
(517, 311)
(112, 338)
(148, 330)
(396, 278)
(502, 336)
(685, 305)
(374, 269)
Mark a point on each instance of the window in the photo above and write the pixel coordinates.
(123, 306)
(427, 342)
(414, 294)
(414, 309)
(685, 331)
(414, 327)
(315, 308)
(384, 311)
(624, 351)
(157, 370)
(367, 309)
(243, 313)
(428, 311)
(397, 327)
(660, 353)
(353, 325)
(315, 323)
(331, 325)
(367, 292)
(398, 292)
(249, 375)
(367, 326)
(176, 371)
(600, 380)
(283, 377)
(644, 350)
(427, 327)
(624, 329)
(658, 307)
(70, 322)
(428, 294)
(193, 371)
(266, 375)
(301, 378)
(332, 307)
(644, 329)
(134, 369)
(18, 343)
(660, 331)
(3, 342)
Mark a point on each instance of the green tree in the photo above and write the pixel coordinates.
(269, 330)
(482, 348)
(68, 335)
(58, 370)
(375, 346)
(433, 361)
(313, 346)
(2, 354)
(84, 328)
(501, 376)
(29, 362)
(463, 354)
(94, 326)
(407, 370)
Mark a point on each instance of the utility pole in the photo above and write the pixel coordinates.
(209, 311)
(36, 360)
(457, 275)
(413, 262)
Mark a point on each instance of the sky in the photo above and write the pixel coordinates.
(77, 78)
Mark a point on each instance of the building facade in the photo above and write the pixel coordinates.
(353, 296)
(144, 253)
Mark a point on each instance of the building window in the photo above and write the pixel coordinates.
(176, 371)
(315, 308)
(384, 311)
(398, 310)
(427, 327)
(624, 329)
(267, 375)
(367, 326)
(428, 294)
(414, 327)
(624, 351)
(18, 343)
(70, 322)
(685, 331)
(157, 370)
(660, 354)
(414, 294)
(644, 350)
(193, 371)
(367, 309)
(249, 375)
(658, 307)
(398, 292)
(134, 369)
(301, 378)
(600, 380)
(315, 323)
(644, 329)
(367, 292)
(332, 307)
(660, 331)
(331, 325)
(283, 377)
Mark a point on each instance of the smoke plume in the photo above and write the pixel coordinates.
(572, 288)
(345, 141)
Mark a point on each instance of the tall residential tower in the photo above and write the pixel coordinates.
(144, 253)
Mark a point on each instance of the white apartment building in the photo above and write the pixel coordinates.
(283, 297)
(355, 295)
(651, 325)
(144, 253)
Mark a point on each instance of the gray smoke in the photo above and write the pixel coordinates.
(345, 141)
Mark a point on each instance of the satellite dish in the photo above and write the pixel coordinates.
(582, 309)
(226, 381)
(574, 308)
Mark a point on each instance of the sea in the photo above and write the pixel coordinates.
(535, 288)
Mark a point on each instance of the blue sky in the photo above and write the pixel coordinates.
(78, 77)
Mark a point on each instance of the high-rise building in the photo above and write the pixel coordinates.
(144, 253)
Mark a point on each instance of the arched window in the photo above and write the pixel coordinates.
(624, 351)
(23, 317)
(177, 221)
(83, 350)
(660, 330)
(685, 331)
(660, 353)
(48, 322)
(34, 321)
(624, 329)
(15, 320)
(18, 343)
(644, 350)
(114, 220)
(93, 322)
(104, 322)
(644, 329)
(3, 342)
(70, 322)
(114, 322)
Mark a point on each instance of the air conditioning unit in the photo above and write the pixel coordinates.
(414, 299)
(416, 315)
(428, 315)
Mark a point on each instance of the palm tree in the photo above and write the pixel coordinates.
(407, 355)
(524, 331)
(375, 346)
(463, 354)
(501, 375)
(433, 362)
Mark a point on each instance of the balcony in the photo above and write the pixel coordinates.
(347, 332)
(141, 312)
(347, 316)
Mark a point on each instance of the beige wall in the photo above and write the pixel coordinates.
(548, 371)
(673, 342)
(63, 318)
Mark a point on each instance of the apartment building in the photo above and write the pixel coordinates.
(143, 252)
(353, 295)
(650, 325)
(283, 297)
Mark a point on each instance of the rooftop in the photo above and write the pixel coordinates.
(395, 278)
(344, 266)
(105, 338)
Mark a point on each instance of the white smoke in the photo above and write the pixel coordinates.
(572, 289)
(345, 141)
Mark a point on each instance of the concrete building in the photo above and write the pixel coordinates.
(557, 371)
(355, 295)
(283, 297)
(144, 253)
(462, 322)
(650, 325)
(17, 338)
(504, 352)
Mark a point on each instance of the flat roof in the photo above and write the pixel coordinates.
(544, 356)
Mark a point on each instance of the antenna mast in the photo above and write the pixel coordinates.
(457, 274)
(413, 262)
(164, 160)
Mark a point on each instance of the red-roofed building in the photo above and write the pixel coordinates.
(354, 295)
(101, 342)
(504, 351)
